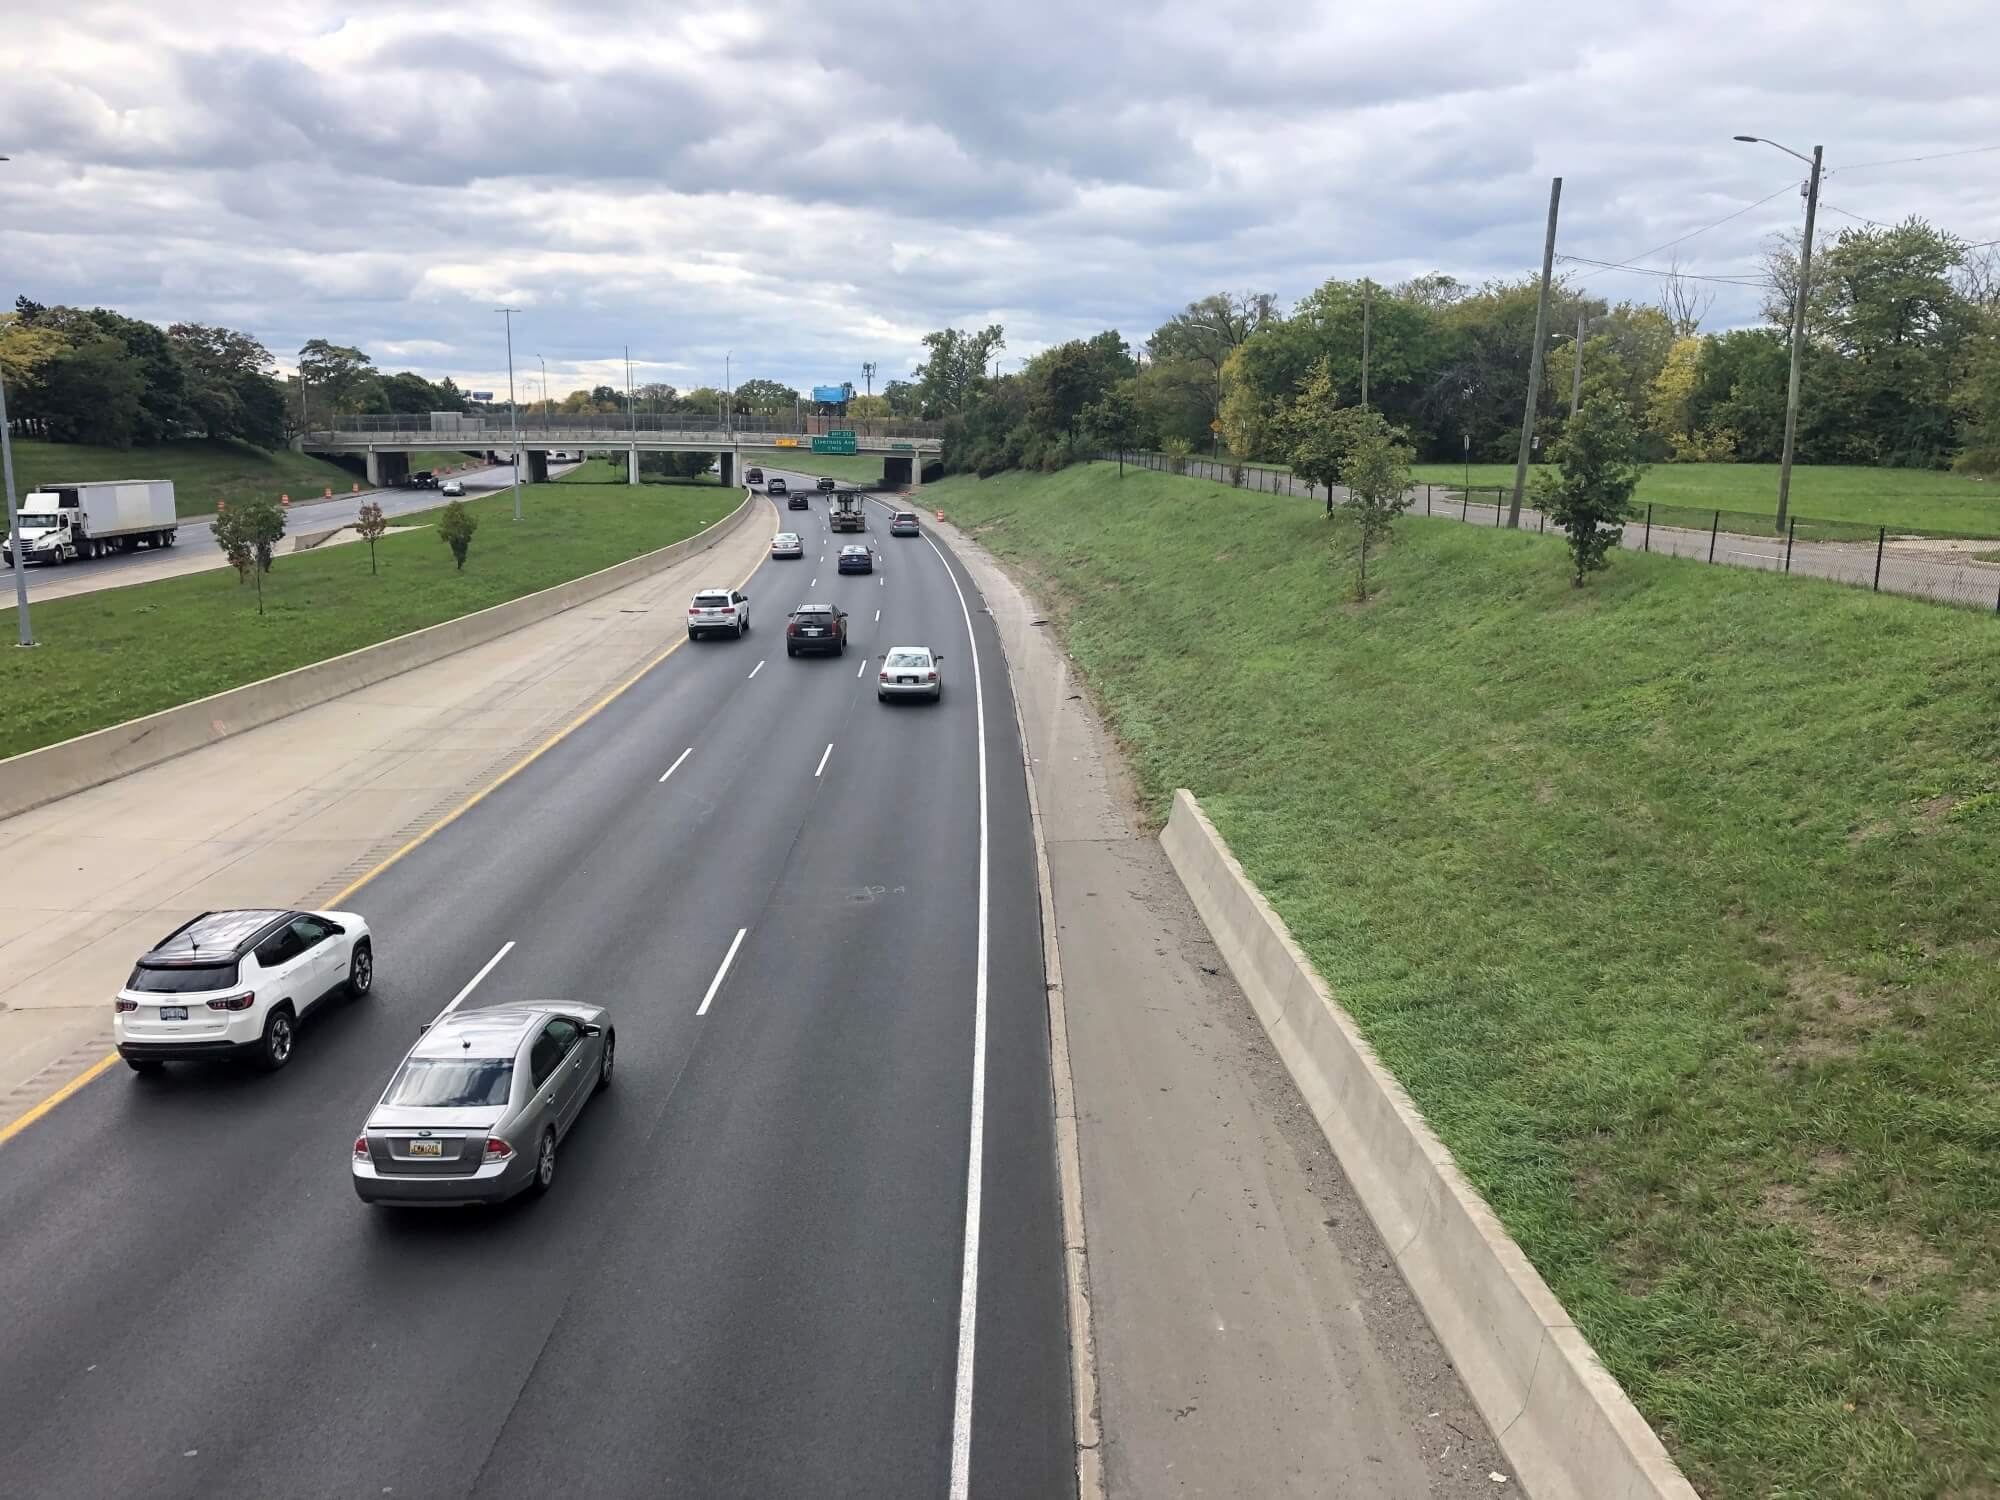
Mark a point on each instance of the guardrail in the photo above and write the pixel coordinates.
(607, 425)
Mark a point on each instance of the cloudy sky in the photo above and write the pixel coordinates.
(807, 186)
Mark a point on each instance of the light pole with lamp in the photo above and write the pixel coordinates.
(14, 519)
(1798, 319)
(513, 406)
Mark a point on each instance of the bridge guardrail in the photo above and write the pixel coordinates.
(608, 426)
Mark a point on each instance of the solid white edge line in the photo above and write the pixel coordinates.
(723, 972)
(473, 983)
(755, 670)
(677, 762)
(824, 756)
(968, 1289)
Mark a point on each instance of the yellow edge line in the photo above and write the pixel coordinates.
(35, 1112)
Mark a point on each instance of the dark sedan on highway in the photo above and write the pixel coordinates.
(480, 1104)
(855, 558)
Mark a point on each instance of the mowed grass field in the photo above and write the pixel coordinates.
(119, 653)
(602, 470)
(1923, 499)
(1674, 901)
(202, 472)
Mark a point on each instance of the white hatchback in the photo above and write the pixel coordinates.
(236, 984)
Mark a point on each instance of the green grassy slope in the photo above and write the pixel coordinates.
(1674, 901)
(860, 469)
(116, 654)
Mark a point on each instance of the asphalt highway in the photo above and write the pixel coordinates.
(197, 532)
(748, 1278)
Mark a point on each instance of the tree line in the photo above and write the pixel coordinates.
(1901, 367)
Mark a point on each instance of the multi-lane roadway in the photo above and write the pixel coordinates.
(808, 1242)
(195, 547)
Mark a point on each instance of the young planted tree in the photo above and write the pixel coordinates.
(1376, 472)
(1316, 441)
(1589, 494)
(371, 525)
(456, 525)
(263, 526)
(229, 536)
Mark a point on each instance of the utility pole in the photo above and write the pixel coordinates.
(545, 387)
(1798, 342)
(1576, 371)
(1367, 333)
(14, 522)
(513, 406)
(868, 375)
(1535, 360)
(728, 395)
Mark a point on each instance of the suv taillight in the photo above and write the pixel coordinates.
(122, 1006)
(497, 1149)
(791, 627)
(361, 1148)
(233, 1002)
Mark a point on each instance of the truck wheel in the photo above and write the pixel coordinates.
(170, 536)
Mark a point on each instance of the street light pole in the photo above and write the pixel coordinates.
(513, 406)
(868, 375)
(728, 395)
(1535, 359)
(545, 387)
(1576, 370)
(14, 521)
(1798, 322)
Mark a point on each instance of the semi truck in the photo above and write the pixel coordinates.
(61, 523)
(846, 511)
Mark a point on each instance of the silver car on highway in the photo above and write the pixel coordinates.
(479, 1106)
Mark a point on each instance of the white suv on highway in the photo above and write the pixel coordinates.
(236, 983)
(719, 609)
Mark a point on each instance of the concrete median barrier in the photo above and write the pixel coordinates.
(38, 776)
(1567, 1427)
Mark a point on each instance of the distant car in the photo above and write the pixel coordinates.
(775, 487)
(827, 482)
(797, 501)
(236, 984)
(855, 558)
(753, 476)
(479, 1105)
(423, 479)
(816, 627)
(451, 487)
(788, 544)
(909, 672)
(904, 523)
(719, 609)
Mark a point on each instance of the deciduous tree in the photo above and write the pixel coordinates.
(371, 525)
(1589, 492)
(1376, 472)
(456, 525)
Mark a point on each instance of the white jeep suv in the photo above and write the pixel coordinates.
(236, 984)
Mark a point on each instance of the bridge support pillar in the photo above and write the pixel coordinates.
(900, 472)
(385, 468)
(725, 464)
(632, 464)
(536, 468)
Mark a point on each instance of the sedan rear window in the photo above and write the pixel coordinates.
(452, 1082)
(181, 979)
(909, 658)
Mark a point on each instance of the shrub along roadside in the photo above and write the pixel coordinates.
(119, 653)
(1670, 900)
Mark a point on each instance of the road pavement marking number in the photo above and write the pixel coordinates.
(753, 672)
(823, 758)
(968, 1291)
(473, 983)
(685, 753)
(721, 973)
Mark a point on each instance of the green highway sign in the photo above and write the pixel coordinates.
(904, 447)
(834, 442)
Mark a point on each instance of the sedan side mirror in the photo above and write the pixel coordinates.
(591, 1028)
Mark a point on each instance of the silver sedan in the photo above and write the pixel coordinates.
(478, 1107)
(788, 544)
(909, 672)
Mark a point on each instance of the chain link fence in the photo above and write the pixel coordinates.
(1947, 567)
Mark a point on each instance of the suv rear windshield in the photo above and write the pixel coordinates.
(906, 515)
(452, 1082)
(711, 601)
(182, 979)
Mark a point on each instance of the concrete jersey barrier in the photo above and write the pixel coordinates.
(37, 776)
(1567, 1427)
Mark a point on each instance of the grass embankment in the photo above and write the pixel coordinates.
(1922, 499)
(1674, 901)
(862, 468)
(119, 653)
(615, 471)
(202, 472)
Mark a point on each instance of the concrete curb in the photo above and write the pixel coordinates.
(38, 776)
(1567, 1427)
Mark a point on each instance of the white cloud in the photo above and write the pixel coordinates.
(812, 185)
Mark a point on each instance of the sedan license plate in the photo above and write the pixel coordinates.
(427, 1148)
(173, 1012)
(907, 681)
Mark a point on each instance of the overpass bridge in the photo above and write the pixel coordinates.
(386, 442)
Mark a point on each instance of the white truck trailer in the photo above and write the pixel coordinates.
(65, 522)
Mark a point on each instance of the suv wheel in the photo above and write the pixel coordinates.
(361, 970)
(274, 1048)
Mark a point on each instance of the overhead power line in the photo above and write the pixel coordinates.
(1903, 161)
(1743, 278)
(1788, 186)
